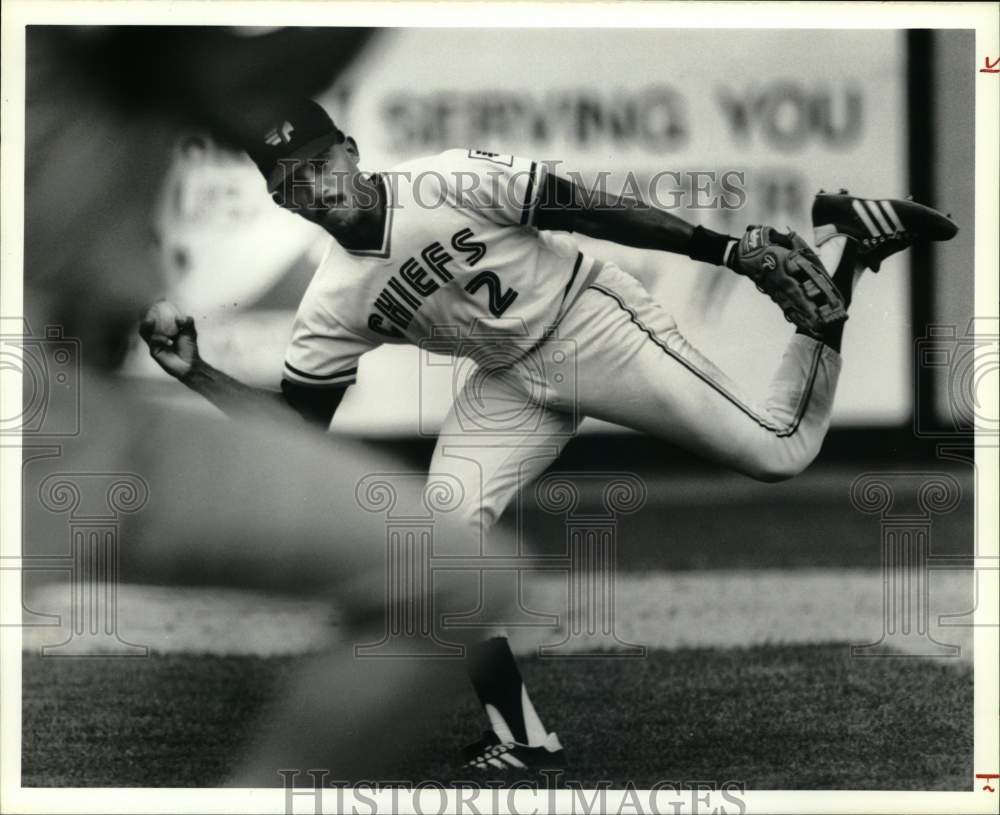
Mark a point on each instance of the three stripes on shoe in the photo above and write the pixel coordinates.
(879, 217)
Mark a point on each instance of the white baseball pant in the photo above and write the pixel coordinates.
(619, 356)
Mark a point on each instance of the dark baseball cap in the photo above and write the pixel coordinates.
(300, 131)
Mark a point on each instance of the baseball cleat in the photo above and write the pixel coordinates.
(489, 752)
(881, 227)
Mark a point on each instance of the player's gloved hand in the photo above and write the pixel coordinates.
(784, 267)
(171, 337)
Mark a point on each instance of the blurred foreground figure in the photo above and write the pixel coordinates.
(105, 106)
(248, 503)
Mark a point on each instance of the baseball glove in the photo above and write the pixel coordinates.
(790, 273)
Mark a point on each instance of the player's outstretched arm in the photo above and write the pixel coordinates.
(781, 265)
(564, 206)
(173, 343)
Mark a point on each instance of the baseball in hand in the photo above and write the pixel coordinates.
(171, 337)
(164, 316)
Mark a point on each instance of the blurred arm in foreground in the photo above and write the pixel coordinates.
(250, 503)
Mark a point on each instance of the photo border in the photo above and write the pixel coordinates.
(18, 13)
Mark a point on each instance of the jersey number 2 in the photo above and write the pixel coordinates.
(500, 300)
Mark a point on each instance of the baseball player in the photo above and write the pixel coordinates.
(455, 252)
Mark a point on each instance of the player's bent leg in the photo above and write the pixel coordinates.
(496, 439)
(667, 388)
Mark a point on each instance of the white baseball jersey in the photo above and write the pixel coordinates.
(460, 262)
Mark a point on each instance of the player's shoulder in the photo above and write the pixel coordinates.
(449, 176)
(420, 164)
(335, 276)
(331, 271)
(451, 159)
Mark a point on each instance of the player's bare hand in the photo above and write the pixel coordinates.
(171, 337)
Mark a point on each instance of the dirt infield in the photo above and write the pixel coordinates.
(657, 610)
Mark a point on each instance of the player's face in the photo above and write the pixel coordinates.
(328, 190)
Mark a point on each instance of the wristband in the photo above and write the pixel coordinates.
(708, 246)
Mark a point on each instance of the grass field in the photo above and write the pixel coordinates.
(747, 616)
(781, 717)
